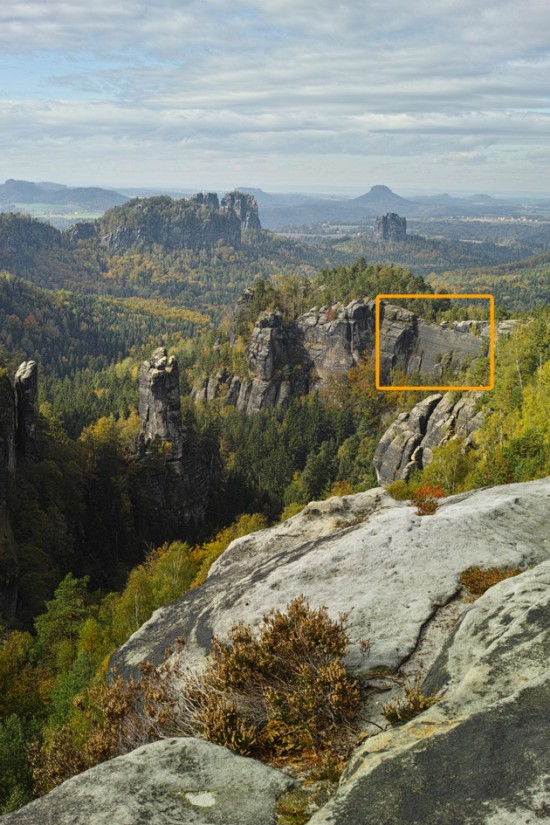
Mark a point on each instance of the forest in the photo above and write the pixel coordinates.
(88, 574)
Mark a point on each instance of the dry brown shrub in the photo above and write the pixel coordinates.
(284, 694)
(414, 702)
(477, 580)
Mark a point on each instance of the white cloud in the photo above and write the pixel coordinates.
(258, 79)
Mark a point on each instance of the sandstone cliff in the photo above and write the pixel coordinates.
(191, 223)
(397, 576)
(287, 359)
(178, 472)
(18, 422)
(409, 442)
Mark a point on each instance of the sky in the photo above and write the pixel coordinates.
(295, 95)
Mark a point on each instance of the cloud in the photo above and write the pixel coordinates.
(274, 79)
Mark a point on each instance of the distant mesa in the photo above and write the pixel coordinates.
(390, 227)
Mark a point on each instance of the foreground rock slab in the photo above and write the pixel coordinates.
(174, 782)
(365, 555)
(480, 756)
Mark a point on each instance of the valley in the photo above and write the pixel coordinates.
(189, 424)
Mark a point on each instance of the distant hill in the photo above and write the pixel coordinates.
(381, 199)
(277, 215)
(91, 198)
(184, 252)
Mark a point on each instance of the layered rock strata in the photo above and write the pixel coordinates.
(288, 359)
(409, 442)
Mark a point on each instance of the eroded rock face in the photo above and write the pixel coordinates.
(244, 206)
(26, 389)
(480, 755)
(189, 223)
(366, 555)
(289, 359)
(174, 781)
(409, 442)
(159, 401)
(410, 345)
(390, 227)
(179, 473)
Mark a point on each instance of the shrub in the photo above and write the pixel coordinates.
(477, 580)
(283, 694)
(403, 710)
(425, 498)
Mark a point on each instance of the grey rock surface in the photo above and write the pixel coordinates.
(409, 344)
(390, 227)
(26, 391)
(179, 477)
(479, 756)
(409, 442)
(288, 359)
(159, 401)
(365, 555)
(172, 782)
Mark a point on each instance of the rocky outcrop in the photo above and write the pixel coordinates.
(480, 755)
(26, 389)
(18, 425)
(159, 402)
(390, 227)
(164, 783)
(287, 359)
(244, 206)
(412, 346)
(189, 223)
(365, 555)
(409, 442)
(178, 472)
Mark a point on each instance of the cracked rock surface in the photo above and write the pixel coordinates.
(479, 756)
(365, 555)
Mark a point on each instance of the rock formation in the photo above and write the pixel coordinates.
(390, 227)
(480, 755)
(409, 442)
(173, 781)
(159, 402)
(366, 555)
(244, 206)
(179, 472)
(18, 437)
(26, 388)
(411, 345)
(189, 223)
(289, 359)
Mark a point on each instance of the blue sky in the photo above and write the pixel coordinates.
(283, 94)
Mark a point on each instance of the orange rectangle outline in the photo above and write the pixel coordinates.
(476, 295)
